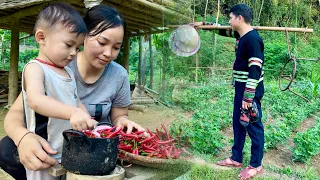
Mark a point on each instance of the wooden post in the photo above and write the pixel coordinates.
(197, 67)
(143, 66)
(140, 61)
(126, 51)
(151, 62)
(14, 58)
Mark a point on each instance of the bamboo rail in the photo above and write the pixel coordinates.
(263, 28)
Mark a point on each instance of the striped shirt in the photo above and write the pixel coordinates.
(248, 63)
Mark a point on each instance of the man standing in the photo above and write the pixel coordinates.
(249, 89)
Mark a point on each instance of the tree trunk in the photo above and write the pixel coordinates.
(260, 11)
(14, 58)
(205, 11)
(151, 62)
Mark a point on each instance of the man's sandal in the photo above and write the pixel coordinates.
(229, 163)
(249, 172)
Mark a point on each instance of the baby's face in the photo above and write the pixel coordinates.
(61, 46)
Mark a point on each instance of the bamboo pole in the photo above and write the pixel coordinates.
(14, 57)
(263, 28)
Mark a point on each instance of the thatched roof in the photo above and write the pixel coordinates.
(144, 16)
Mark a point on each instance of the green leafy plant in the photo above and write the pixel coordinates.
(307, 144)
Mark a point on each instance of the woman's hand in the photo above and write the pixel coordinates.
(119, 117)
(33, 152)
(123, 121)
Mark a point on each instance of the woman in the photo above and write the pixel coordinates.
(102, 84)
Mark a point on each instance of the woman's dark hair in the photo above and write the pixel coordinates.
(63, 13)
(244, 11)
(102, 17)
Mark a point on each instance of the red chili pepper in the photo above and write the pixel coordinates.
(148, 139)
(167, 153)
(89, 134)
(151, 134)
(104, 133)
(164, 128)
(113, 134)
(139, 132)
(176, 153)
(165, 131)
(148, 151)
(111, 129)
(127, 135)
(145, 147)
(165, 142)
(125, 147)
(135, 151)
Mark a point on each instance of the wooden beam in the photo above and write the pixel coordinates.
(142, 25)
(32, 10)
(155, 10)
(137, 27)
(174, 6)
(126, 12)
(138, 20)
(14, 58)
(263, 28)
(126, 51)
(160, 8)
(151, 32)
(23, 13)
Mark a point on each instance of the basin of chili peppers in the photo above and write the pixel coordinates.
(91, 152)
(157, 150)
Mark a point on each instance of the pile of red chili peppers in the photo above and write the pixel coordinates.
(159, 144)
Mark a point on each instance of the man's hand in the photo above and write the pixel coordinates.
(33, 153)
(196, 24)
(246, 105)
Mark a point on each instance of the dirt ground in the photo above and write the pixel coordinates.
(157, 115)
